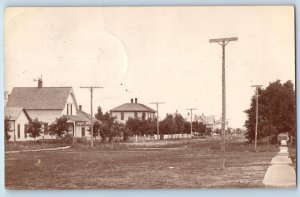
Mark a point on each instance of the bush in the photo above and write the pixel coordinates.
(126, 135)
(67, 139)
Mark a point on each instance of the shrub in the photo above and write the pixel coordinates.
(67, 139)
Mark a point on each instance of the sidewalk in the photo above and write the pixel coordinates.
(35, 150)
(281, 172)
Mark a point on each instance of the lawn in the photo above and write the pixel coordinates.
(193, 163)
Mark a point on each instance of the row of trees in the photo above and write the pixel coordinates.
(276, 111)
(107, 128)
(171, 124)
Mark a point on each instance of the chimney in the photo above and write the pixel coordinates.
(131, 100)
(135, 100)
(40, 83)
(80, 107)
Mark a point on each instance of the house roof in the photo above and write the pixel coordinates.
(81, 116)
(206, 119)
(39, 98)
(13, 113)
(210, 119)
(133, 107)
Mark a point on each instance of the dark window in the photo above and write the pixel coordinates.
(135, 115)
(46, 128)
(25, 130)
(67, 109)
(144, 116)
(122, 116)
(19, 130)
(82, 131)
(71, 108)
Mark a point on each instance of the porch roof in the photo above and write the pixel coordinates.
(80, 117)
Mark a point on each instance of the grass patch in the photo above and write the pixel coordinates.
(189, 163)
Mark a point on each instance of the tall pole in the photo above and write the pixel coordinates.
(256, 121)
(157, 118)
(191, 119)
(223, 42)
(91, 88)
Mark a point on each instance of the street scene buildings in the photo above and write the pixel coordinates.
(149, 97)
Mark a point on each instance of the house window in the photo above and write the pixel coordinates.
(25, 130)
(144, 116)
(122, 116)
(46, 128)
(135, 115)
(82, 131)
(71, 108)
(19, 130)
(67, 109)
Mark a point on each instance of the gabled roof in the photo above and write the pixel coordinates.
(133, 107)
(39, 98)
(13, 113)
(206, 119)
(210, 119)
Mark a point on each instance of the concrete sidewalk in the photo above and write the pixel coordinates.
(281, 172)
(35, 150)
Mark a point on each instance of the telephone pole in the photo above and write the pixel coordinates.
(223, 42)
(157, 120)
(91, 88)
(191, 119)
(256, 122)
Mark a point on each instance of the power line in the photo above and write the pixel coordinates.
(157, 117)
(91, 88)
(191, 109)
(223, 42)
(256, 121)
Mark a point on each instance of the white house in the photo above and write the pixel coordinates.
(133, 110)
(18, 119)
(48, 103)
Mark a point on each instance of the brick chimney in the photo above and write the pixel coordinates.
(135, 100)
(131, 100)
(40, 83)
(80, 107)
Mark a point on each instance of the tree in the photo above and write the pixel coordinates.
(118, 130)
(133, 124)
(276, 112)
(179, 121)
(99, 114)
(106, 126)
(6, 129)
(59, 127)
(187, 127)
(199, 127)
(168, 126)
(34, 128)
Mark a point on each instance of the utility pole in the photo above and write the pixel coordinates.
(91, 88)
(256, 122)
(191, 119)
(157, 120)
(223, 42)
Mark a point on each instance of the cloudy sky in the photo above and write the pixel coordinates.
(157, 53)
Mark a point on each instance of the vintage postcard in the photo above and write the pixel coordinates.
(149, 97)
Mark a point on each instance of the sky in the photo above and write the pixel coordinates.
(156, 53)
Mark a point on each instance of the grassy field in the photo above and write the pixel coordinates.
(190, 163)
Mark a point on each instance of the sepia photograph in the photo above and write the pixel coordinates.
(161, 97)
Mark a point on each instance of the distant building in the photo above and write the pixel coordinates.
(46, 104)
(133, 110)
(18, 119)
(209, 121)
